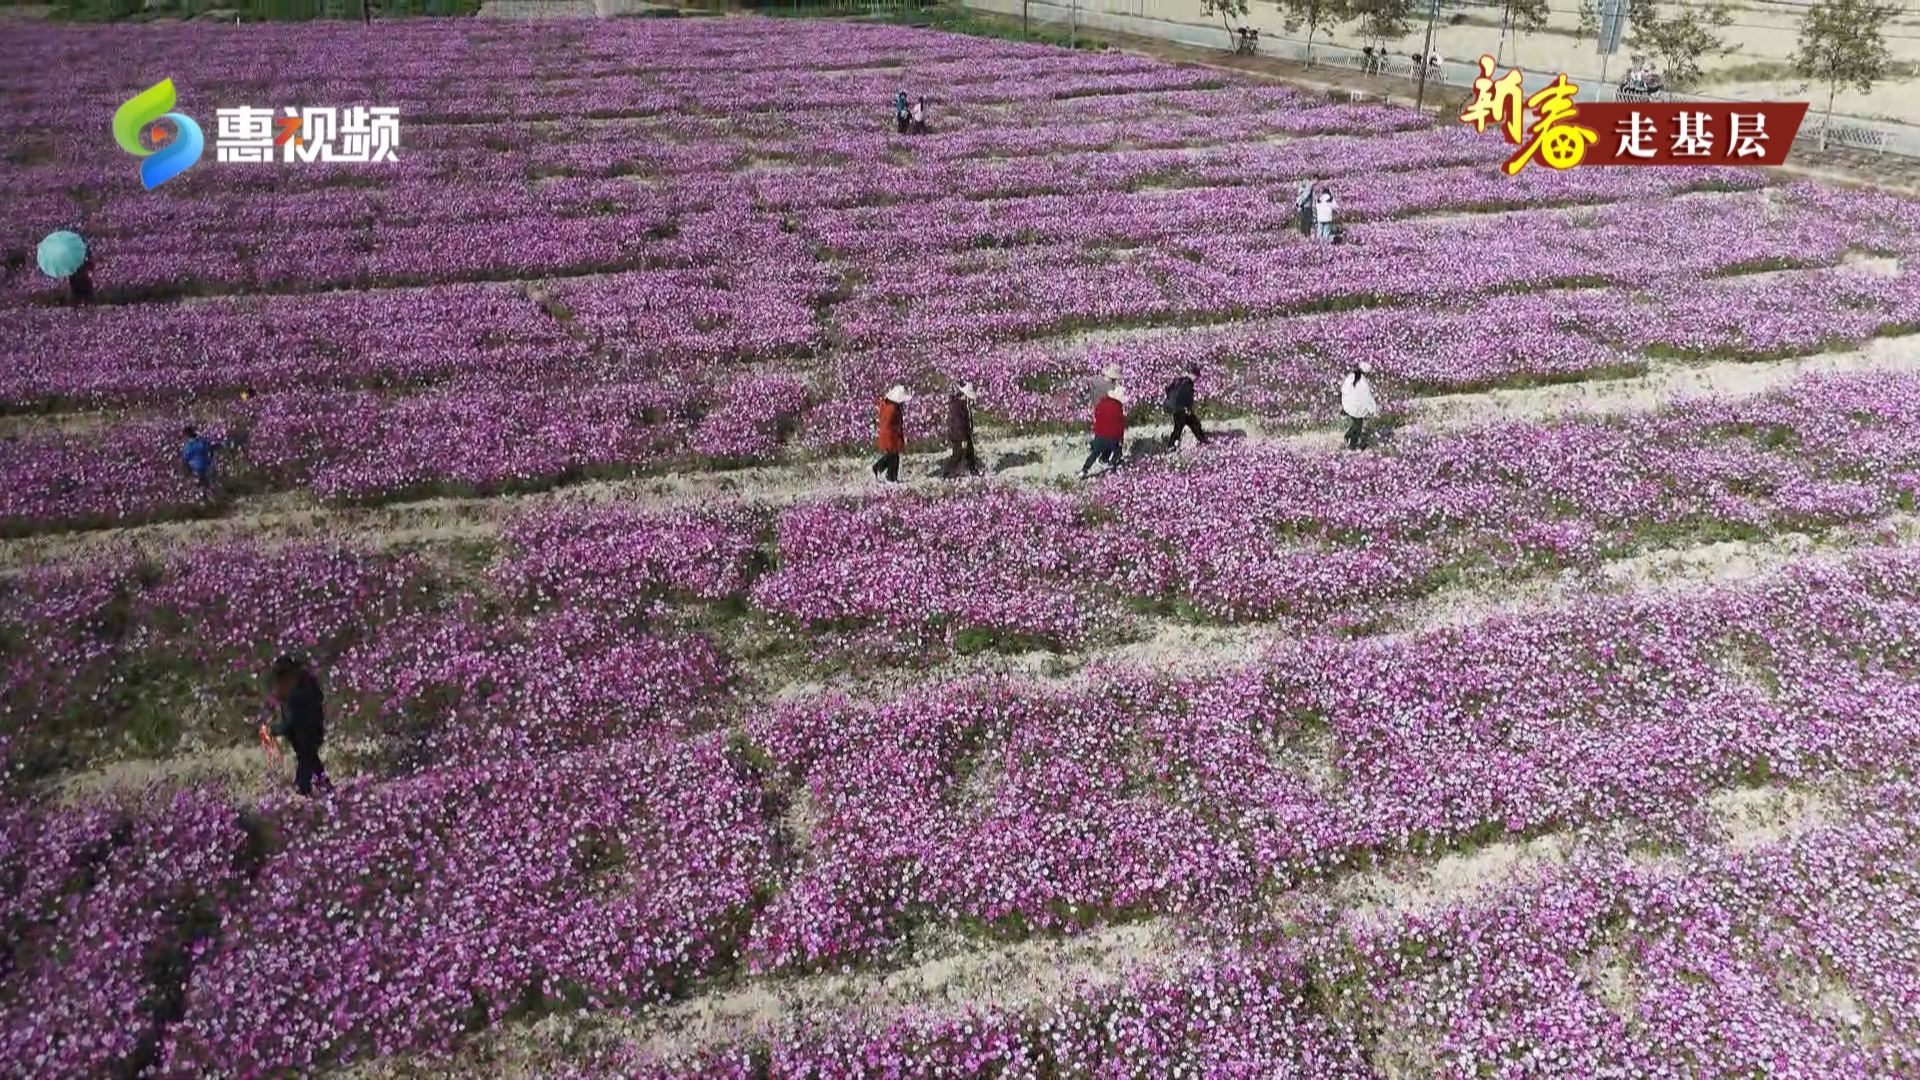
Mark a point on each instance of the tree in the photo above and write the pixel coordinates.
(1521, 17)
(1236, 8)
(1313, 14)
(1679, 41)
(1382, 21)
(1841, 45)
(1525, 16)
(1589, 21)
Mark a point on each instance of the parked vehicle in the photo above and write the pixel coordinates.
(1642, 81)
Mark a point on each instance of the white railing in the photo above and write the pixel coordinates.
(1844, 134)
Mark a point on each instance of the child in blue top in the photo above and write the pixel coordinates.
(198, 454)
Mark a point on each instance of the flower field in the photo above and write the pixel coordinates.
(668, 745)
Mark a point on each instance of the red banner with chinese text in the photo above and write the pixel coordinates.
(1690, 132)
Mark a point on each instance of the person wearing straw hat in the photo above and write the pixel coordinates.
(960, 433)
(1357, 403)
(1109, 378)
(1109, 430)
(893, 432)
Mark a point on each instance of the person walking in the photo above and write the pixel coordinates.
(1303, 202)
(919, 116)
(960, 434)
(198, 455)
(1357, 403)
(902, 116)
(1323, 211)
(80, 283)
(893, 432)
(1108, 378)
(1109, 430)
(302, 723)
(1179, 404)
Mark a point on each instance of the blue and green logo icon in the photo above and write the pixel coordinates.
(173, 152)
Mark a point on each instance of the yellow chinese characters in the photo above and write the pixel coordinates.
(1559, 144)
(1501, 101)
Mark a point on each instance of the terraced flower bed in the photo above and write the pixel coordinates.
(1013, 811)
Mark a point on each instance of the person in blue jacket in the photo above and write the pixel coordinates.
(902, 115)
(198, 454)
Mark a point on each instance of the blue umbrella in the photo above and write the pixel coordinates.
(61, 254)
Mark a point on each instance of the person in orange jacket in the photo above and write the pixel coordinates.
(893, 432)
(1109, 430)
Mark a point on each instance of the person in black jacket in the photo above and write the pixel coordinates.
(302, 722)
(1180, 404)
(80, 283)
(961, 457)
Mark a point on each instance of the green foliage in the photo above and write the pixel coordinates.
(1043, 382)
(1589, 25)
(96, 10)
(1681, 40)
(1383, 20)
(975, 640)
(1314, 15)
(1841, 45)
(1237, 9)
(741, 748)
(1526, 16)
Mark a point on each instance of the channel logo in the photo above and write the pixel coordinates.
(172, 154)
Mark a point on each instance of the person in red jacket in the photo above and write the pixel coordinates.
(893, 432)
(1109, 430)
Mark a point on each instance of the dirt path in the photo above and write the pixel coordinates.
(1665, 381)
(1035, 461)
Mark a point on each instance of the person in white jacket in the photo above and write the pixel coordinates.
(1323, 214)
(1358, 404)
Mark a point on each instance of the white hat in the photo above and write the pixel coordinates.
(966, 391)
(1111, 371)
(898, 395)
(1365, 368)
(1119, 394)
